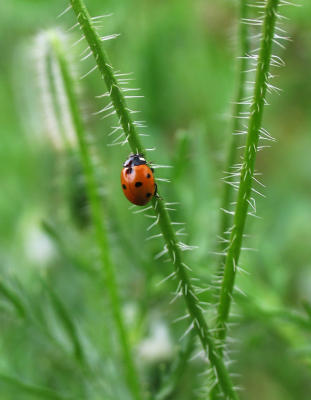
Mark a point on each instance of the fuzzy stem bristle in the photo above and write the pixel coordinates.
(244, 48)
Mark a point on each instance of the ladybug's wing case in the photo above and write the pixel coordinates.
(138, 184)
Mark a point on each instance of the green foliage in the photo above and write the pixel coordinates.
(68, 328)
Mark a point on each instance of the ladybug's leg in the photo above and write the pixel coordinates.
(155, 190)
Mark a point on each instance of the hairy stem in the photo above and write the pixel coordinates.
(244, 48)
(248, 165)
(238, 108)
(97, 217)
(162, 217)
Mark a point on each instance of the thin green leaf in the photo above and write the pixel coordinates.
(32, 390)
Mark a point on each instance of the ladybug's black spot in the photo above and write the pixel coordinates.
(138, 184)
(148, 175)
(124, 187)
(148, 194)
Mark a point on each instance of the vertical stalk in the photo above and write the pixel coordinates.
(232, 155)
(97, 217)
(243, 50)
(248, 165)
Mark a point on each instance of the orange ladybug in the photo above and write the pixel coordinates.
(137, 180)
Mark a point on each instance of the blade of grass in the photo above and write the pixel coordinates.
(160, 211)
(97, 217)
(13, 298)
(32, 390)
(307, 308)
(251, 309)
(65, 250)
(68, 323)
(31, 313)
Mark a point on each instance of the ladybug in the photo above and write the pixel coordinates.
(137, 180)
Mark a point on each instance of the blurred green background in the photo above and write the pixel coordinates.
(182, 54)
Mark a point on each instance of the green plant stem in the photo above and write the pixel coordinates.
(244, 48)
(107, 73)
(98, 220)
(238, 108)
(158, 203)
(191, 300)
(248, 165)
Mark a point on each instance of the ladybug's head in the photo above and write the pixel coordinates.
(134, 159)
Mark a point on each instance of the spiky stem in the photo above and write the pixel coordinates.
(107, 73)
(162, 216)
(248, 165)
(238, 107)
(244, 48)
(97, 217)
